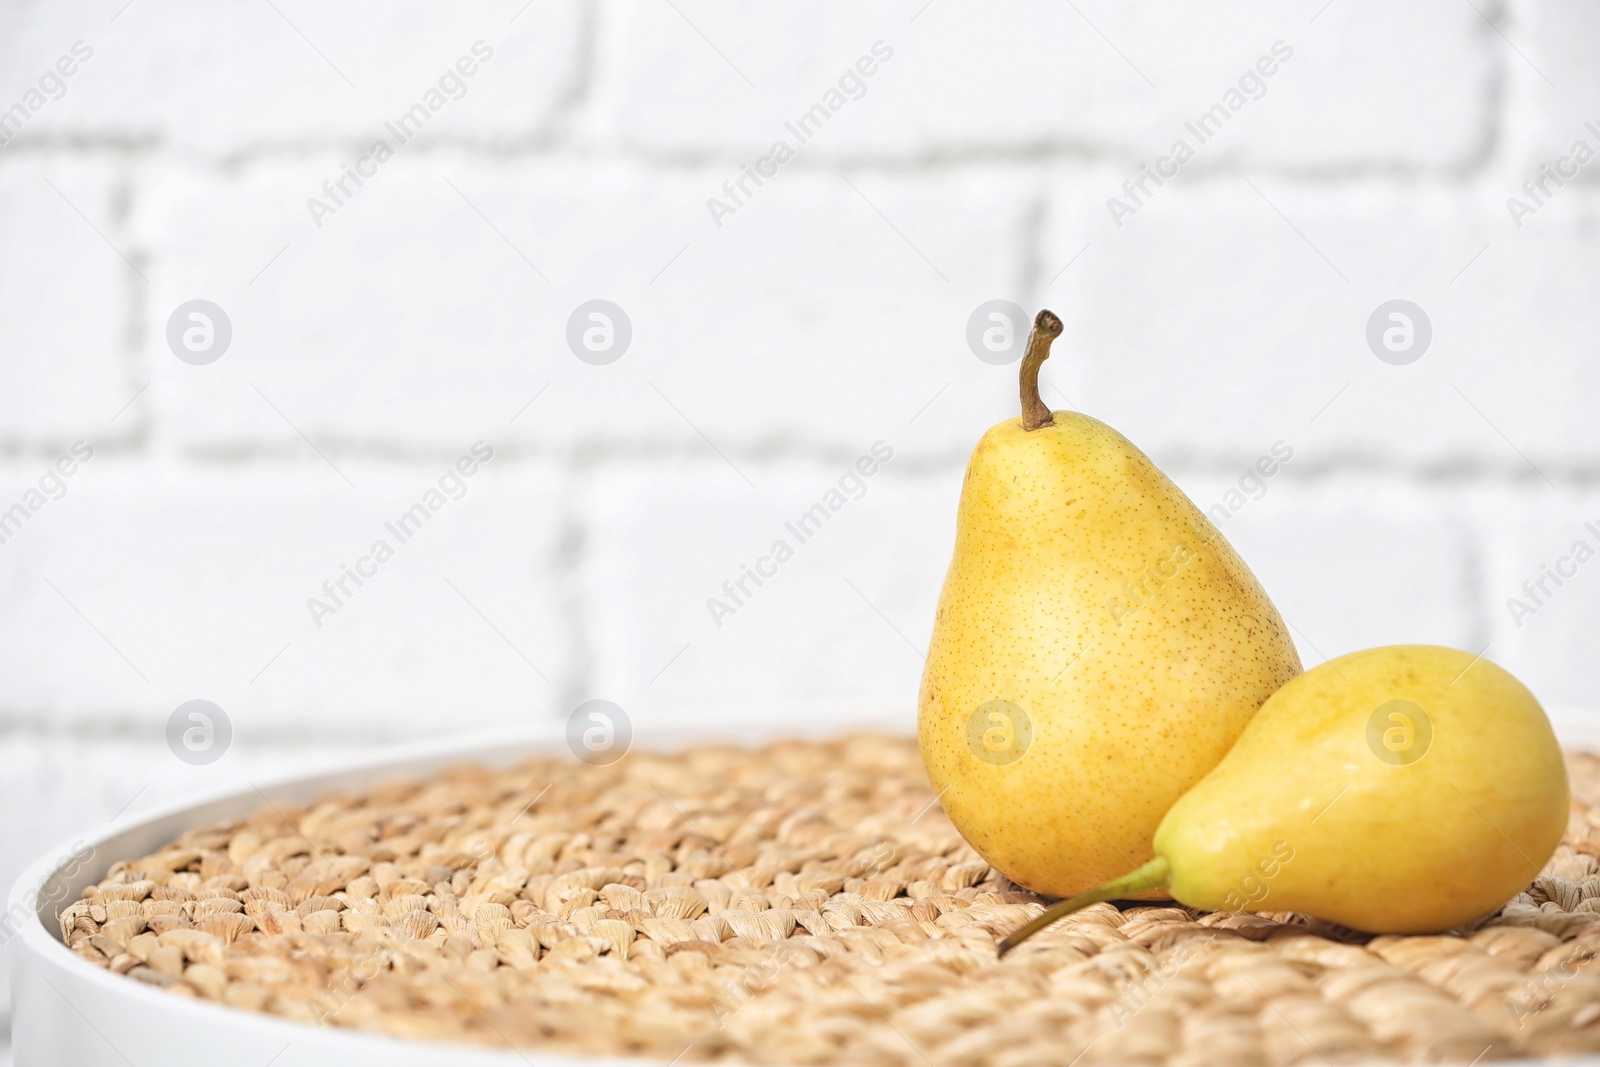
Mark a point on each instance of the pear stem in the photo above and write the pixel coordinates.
(1152, 875)
(1046, 328)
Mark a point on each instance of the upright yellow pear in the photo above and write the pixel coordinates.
(1097, 650)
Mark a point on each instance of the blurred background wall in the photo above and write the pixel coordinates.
(376, 315)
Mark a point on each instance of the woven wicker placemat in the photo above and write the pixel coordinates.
(807, 903)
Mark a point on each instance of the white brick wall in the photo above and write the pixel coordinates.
(198, 79)
(1209, 321)
(448, 332)
(68, 354)
(1553, 87)
(133, 594)
(844, 623)
(827, 312)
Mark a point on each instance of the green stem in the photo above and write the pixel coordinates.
(1152, 875)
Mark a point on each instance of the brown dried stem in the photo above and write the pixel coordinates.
(1046, 328)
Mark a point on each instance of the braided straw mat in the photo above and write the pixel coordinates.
(807, 903)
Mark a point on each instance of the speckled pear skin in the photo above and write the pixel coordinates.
(1387, 847)
(1062, 532)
